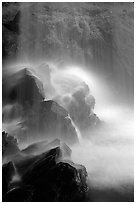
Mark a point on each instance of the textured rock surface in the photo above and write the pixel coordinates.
(7, 172)
(98, 35)
(24, 96)
(48, 177)
(41, 147)
(81, 109)
(22, 87)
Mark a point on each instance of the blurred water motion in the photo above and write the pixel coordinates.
(78, 59)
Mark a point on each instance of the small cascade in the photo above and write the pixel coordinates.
(16, 177)
(76, 129)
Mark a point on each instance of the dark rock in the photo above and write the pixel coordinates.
(64, 183)
(24, 92)
(9, 147)
(56, 181)
(81, 109)
(19, 194)
(48, 178)
(32, 152)
(7, 171)
(22, 87)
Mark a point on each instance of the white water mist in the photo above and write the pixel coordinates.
(76, 129)
(107, 152)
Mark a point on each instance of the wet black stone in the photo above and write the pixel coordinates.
(48, 178)
(23, 90)
(19, 194)
(7, 172)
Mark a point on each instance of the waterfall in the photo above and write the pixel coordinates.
(76, 129)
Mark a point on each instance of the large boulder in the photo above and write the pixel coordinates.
(22, 86)
(47, 121)
(24, 101)
(82, 110)
(40, 147)
(48, 177)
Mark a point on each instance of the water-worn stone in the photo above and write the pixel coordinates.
(47, 178)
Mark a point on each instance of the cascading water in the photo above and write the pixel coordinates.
(16, 177)
(55, 32)
(76, 129)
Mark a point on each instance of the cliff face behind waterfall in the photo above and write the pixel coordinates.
(90, 33)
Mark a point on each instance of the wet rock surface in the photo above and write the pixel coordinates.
(22, 87)
(98, 36)
(48, 177)
(81, 109)
(24, 102)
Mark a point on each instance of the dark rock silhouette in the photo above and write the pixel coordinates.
(39, 118)
(7, 172)
(19, 194)
(89, 33)
(48, 177)
(22, 87)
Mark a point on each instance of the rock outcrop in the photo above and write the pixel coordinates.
(23, 87)
(44, 146)
(81, 109)
(45, 177)
(39, 119)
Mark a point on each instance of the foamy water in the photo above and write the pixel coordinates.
(76, 129)
(107, 153)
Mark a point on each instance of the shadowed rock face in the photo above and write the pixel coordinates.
(7, 172)
(51, 119)
(41, 147)
(47, 121)
(22, 87)
(38, 119)
(23, 98)
(81, 109)
(47, 177)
